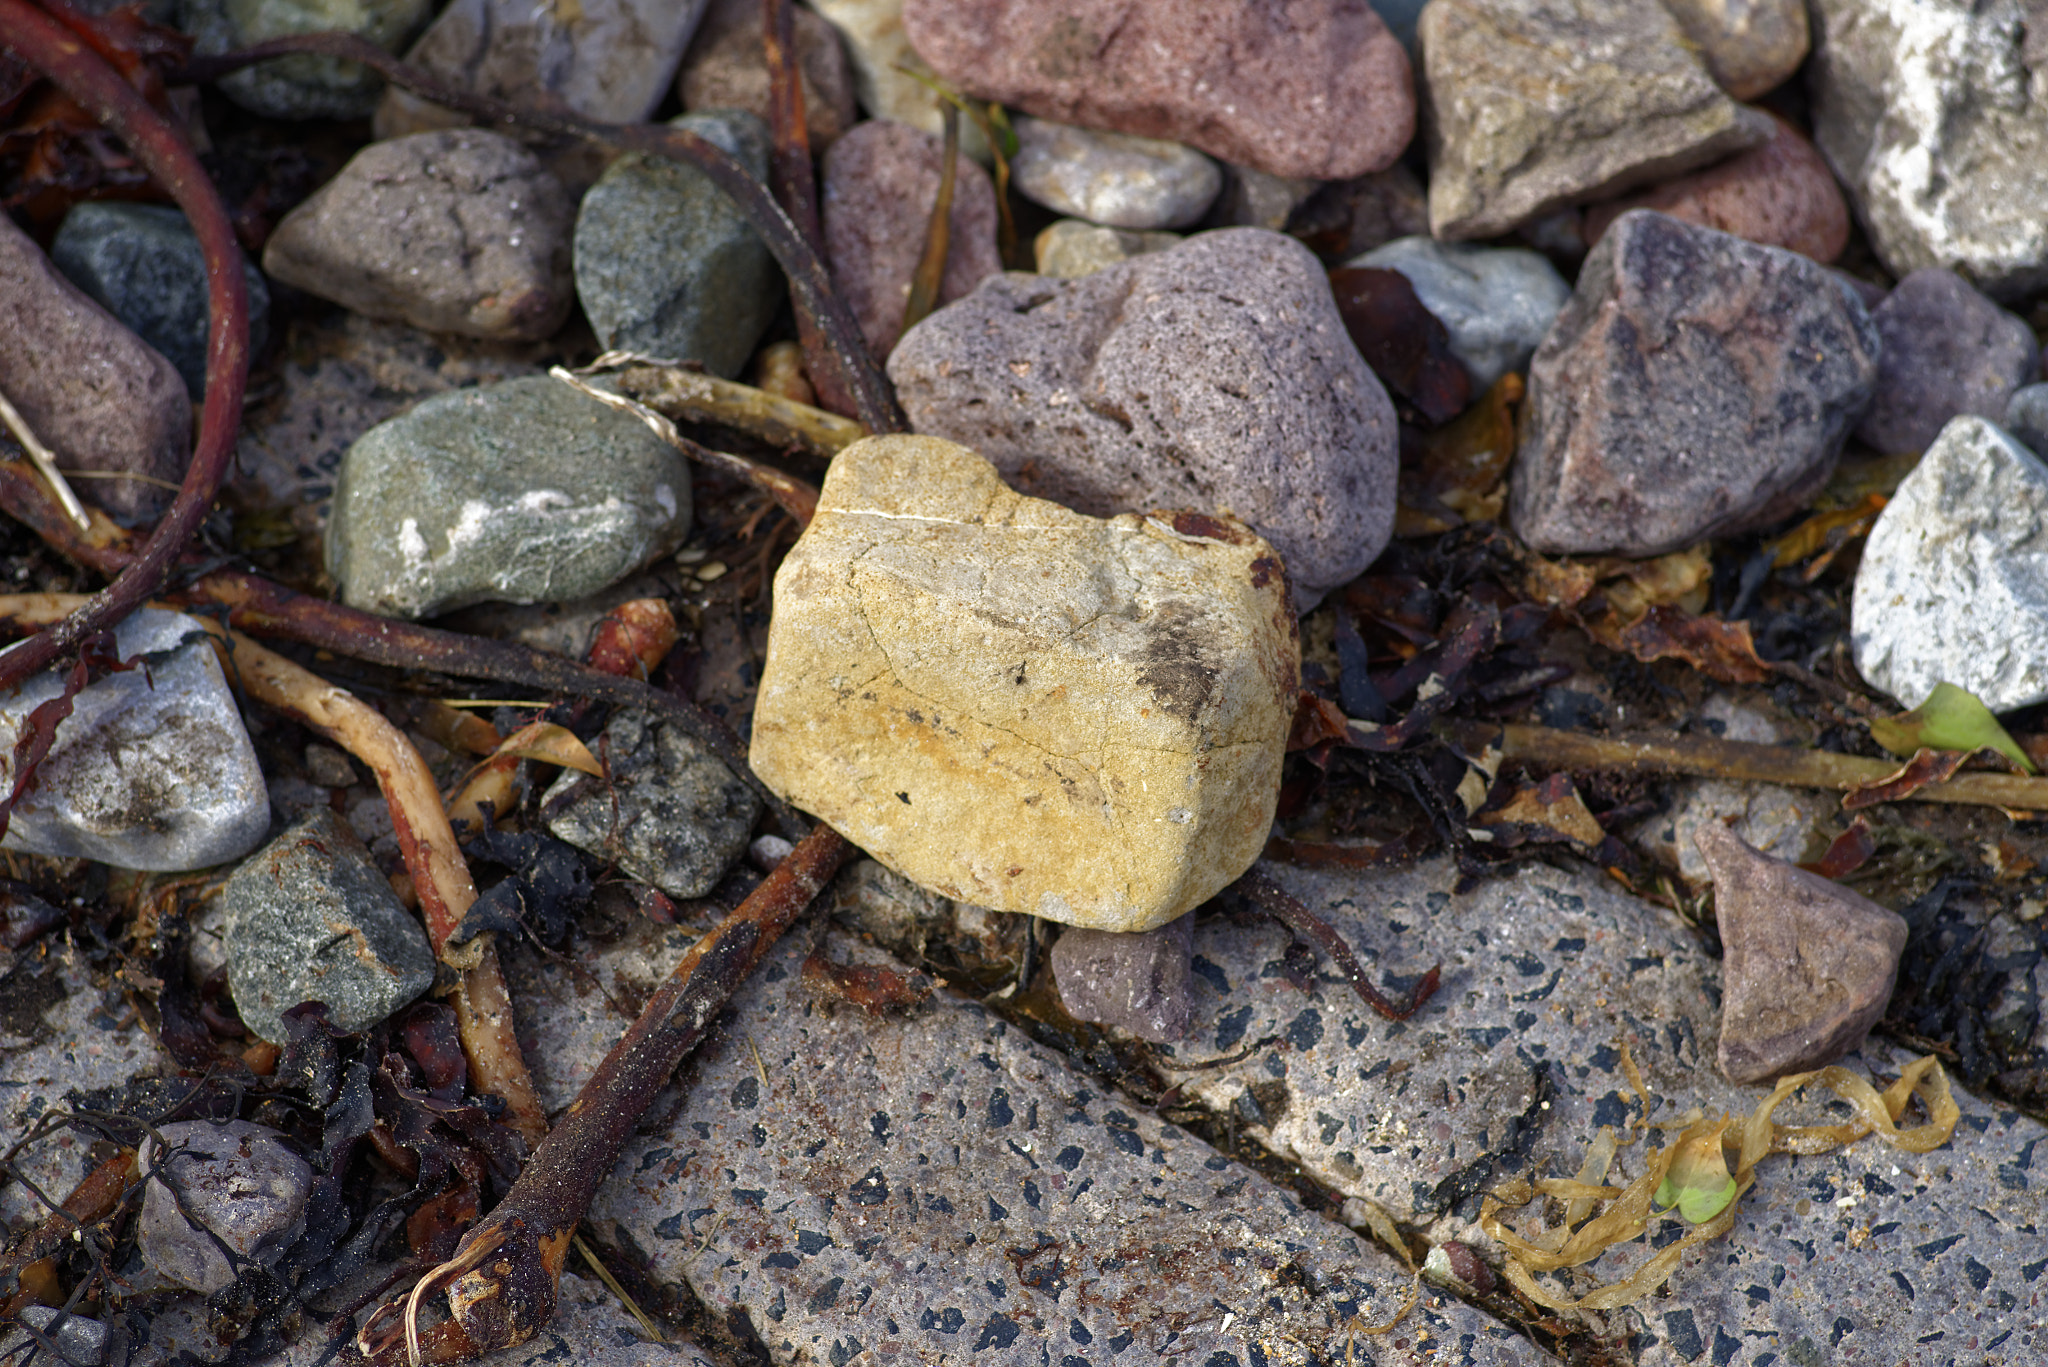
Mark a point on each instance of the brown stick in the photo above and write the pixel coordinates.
(504, 1277)
(87, 78)
(1284, 907)
(810, 282)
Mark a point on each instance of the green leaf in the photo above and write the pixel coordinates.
(1697, 1182)
(1950, 719)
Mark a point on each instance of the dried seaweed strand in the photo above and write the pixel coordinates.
(1284, 907)
(930, 274)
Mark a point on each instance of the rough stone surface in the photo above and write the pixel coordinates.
(143, 264)
(94, 392)
(80, 1339)
(1923, 108)
(872, 31)
(525, 491)
(1696, 385)
(1137, 983)
(880, 182)
(2026, 418)
(1780, 194)
(874, 1196)
(1776, 820)
(1537, 104)
(1251, 198)
(304, 86)
(1947, 350)
(1070, 249)
(1496, 302)
(726, 68)
(610, 60)
(1750, 46)
(456, 231)
(1020, 706)
(1316, 88)
(666, 265)
(1216, 375)
(1807, 964)
(238, 1180)
(152, 769)
(1113, 179)
(1953, 586)
(312, 918)
(672, 815)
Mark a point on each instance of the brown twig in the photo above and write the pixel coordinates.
(809, 280)
(1283, 906)
(88, 79)
(505, 1275)
(930, 275)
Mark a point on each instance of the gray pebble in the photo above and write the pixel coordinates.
(301, 87)
(2026, 418)
(1946, 350)
(143, 264)
(666, 264)
(238, 1181)
(1070, 249)
(312, 918)
(1496, 302)
(81, 1340)
(525, 492)
(1113, 179)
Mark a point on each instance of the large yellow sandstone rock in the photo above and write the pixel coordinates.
(1023, 707)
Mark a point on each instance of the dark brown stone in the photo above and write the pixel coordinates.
(1312, 88)
(1403, 342)
(1695, 385)
(881, 181)
(1808, 965)
(726, 68)
(96, 394)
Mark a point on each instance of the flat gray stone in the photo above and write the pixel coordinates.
(1953, 585)
(143, 264)
(303, 86)
(1922, 107)
(1496, 302)
(1945, 350)
(972, 1196)
(239, 1181)
(1539, 104)
(671, 813)
(1112, 179)
(312, 918)
(96, 394)
(1214, 375)
(455, 231)
(152, 769)
(666, 265)
(1070, 249)
(1696, 385)
(526, 492)
(81, 1340)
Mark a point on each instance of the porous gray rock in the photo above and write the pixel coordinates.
(1135, 982)
(523, 492)
(667, 265)
(1946, 350)
(1495, 302)
(301, 86)
(312, 918)
(1215, 375)
(668, 813)
(152, 769)
(1114, 179)
(1807, 965)
(143, 264)
(240, 1182)
(1539, 104)
(2026, 418)
(1953, 585)
(727, 68)
(94, 392)
(1696, 385)
(880, 182)
(455, 231)
(1070, 249)
(1311, 88)
(1923, 108)
(610, 60)
(1750, 46)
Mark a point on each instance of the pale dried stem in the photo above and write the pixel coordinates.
(691, 396)
(45, 463)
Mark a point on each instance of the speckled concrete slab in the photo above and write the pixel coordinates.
(939, 1189)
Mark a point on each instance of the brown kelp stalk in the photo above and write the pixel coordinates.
(810, 282)
(86, 77)
(1258, 888)
(502, 1281)
(930, 274)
